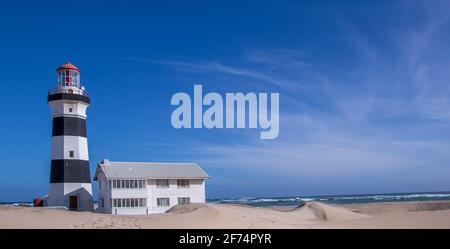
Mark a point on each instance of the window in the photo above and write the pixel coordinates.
(162, 183)
(103, 203)
(162, 202)
(70, 109)
(100, 184)
(127, 184)
(129, 202)
(71, 153)
(142, 202)
(183, 183)
(184, 200)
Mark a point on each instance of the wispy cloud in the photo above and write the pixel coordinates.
(213, 66)
(293, 59)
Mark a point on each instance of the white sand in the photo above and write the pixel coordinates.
(312, 215)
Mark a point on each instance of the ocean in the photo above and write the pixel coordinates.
(294, 201)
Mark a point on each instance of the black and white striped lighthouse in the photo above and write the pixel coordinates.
(70, 181)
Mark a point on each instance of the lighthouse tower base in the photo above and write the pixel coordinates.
(75, 196)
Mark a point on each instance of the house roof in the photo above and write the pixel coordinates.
(146, 170)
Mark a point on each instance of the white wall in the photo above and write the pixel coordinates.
(104, 193)
(129, 193)
(60, 192)
(61, 107)
(196, 193)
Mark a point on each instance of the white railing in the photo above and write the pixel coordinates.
(69, 90)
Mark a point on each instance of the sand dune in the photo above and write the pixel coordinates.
(408, 220)
(322, 212)
(310, 215)
(396, 207)
(423, 214)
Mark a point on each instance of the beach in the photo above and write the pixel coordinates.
(410, 215)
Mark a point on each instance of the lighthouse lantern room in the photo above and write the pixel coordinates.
(70, 181)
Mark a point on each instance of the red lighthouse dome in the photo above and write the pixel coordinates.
(68, 66)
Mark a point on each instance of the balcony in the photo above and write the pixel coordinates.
(68, 93)
(69, 90)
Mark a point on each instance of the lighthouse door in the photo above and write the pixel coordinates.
(73, 202)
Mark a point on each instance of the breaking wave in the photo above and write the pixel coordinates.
(338, 199)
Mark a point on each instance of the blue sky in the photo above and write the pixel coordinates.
(364, 90)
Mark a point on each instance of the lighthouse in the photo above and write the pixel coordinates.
(70, 180)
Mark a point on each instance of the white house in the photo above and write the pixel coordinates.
(146, 188)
